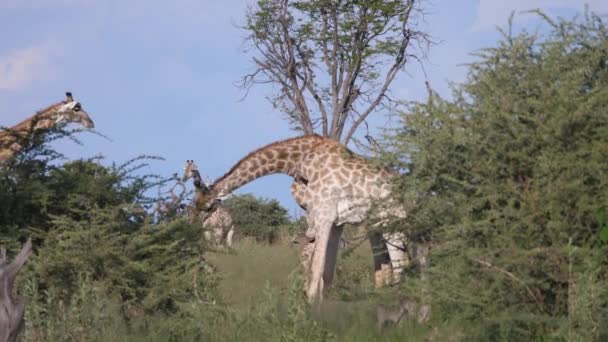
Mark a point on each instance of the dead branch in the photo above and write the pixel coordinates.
(163, 206)
(11, 311)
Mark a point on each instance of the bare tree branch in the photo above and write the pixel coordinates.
(342, 55)
(400, 60)
(298, 97)
(510, 275)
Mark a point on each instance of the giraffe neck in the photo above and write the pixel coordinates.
(198, 181)
(40, 120)
(201, 189)
(9, 138)
(279, 157)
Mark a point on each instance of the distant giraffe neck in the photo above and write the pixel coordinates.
(279, 157)
(10, 138)
(38, 121)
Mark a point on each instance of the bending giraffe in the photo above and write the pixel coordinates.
(336, 187)
(218, 226)
(69, 110)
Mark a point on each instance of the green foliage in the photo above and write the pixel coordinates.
(602, 219)
(380, 20)
(354, 278)
(261, 219)
(35, 193)
(100, 260)
(89, 312)
(508, 178)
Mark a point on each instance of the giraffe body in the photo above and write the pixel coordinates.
(335, 186)
(69, 110)
(219, 226)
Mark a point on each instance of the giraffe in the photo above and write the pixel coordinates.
(69, 110)
(218, 226)
(335, 186)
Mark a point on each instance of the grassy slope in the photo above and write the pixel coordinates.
(252, 270)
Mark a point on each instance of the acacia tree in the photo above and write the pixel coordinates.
(332, 60)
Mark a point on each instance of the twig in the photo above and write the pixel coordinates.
(511, 275)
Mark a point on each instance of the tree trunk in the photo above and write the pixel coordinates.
(11, 312)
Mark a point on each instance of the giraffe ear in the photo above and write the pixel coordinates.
(69, 97)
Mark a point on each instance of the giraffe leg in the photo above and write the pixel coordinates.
(333, 246)
(382, 262)
(229, 236)
(218, 233)
(308, 250)
(316, 270)
(422, 257)
(306, 259)
(395, 244)
(207, 234)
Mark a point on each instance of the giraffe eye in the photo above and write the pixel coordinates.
(77, 107)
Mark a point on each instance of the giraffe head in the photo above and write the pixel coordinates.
(190, 170)
(205, 200)
(68, 111)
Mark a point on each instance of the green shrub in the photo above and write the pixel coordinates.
(258, 218)
(507, 178)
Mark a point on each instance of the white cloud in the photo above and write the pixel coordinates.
(491, 13)
(22, 67)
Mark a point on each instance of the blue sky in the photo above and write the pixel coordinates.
(158, 77)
